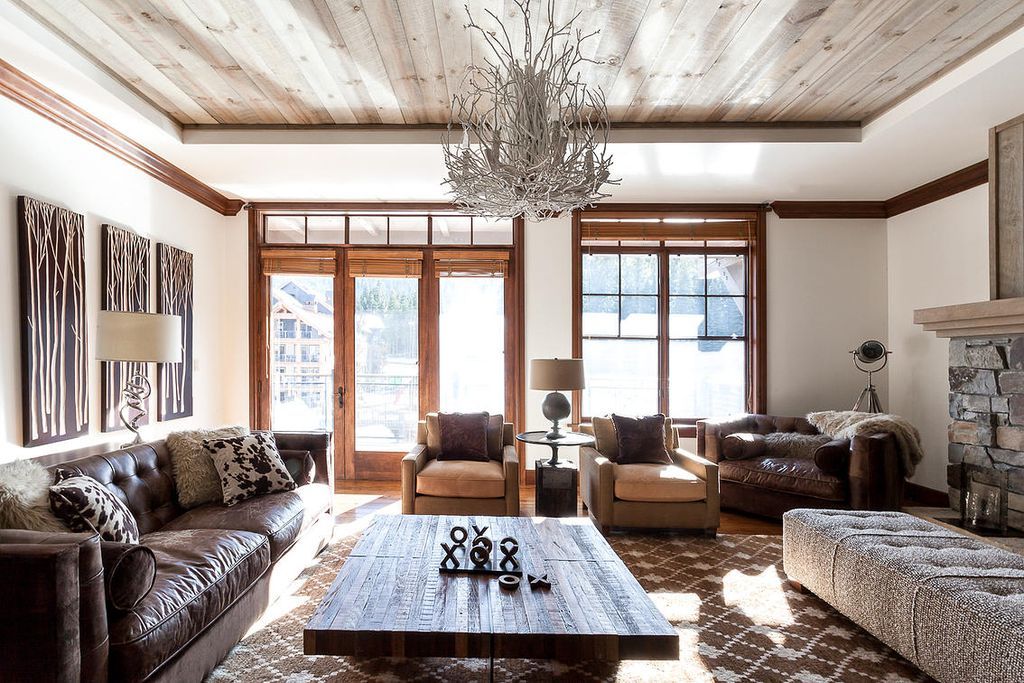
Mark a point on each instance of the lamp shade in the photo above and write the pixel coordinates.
(139, 337)
(556, 374)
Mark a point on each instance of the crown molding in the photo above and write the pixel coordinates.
(35, 96)
(946, 186)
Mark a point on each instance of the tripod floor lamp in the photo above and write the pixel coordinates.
(137, 339)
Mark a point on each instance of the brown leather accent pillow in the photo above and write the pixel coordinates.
(742, 446)
(463, 436)
(128, 573)
(833, 457)
(300, 465)
(641, 440)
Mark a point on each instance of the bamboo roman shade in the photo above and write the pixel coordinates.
(471, 263)
(676, 226)
(385, 263)
(293, 262)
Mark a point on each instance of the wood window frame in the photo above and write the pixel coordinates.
(756, 324)
(344, 296)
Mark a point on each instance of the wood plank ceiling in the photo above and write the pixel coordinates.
(243, 62)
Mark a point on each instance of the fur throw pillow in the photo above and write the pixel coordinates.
(84, 504)
(195, 477)
(24, 497)
(793, 444)
(249, 466)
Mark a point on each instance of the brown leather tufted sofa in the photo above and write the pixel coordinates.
(217, 569)
(770, 486)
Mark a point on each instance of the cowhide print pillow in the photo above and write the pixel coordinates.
(249, 466)
(84, 504)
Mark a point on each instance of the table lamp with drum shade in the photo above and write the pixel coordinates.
(123, 337)
(556, 375)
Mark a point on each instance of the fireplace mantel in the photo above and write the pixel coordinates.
(980, 319)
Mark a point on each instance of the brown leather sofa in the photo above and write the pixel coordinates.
(770, 486)
(217, 569)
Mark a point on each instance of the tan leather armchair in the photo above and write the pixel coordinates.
(683, 495)
(461, 487)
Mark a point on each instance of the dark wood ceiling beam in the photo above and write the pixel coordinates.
(35, 96)
(946, 186)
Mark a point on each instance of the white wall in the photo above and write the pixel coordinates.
(40, 159)
(938, 255)
(826, 294)
(548, 302)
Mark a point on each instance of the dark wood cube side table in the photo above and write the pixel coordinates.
(557, 481)
(556, 489)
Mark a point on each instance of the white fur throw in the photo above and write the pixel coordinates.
(195, 476)
(25, 497)
(846, 424)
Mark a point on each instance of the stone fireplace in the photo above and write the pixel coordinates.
(986, 348)
(986, 403)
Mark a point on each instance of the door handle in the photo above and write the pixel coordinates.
(341, 397)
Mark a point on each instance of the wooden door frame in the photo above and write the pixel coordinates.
(344, 297)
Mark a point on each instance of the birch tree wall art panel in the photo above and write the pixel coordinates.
(174, 297)
(125, 264)
(54, 353)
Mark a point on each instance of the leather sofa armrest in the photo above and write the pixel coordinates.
(708, 471)
(711, 431)
(54, 624)
(876, 473)
(597, 484)
(412, 463)
(510, 463)
(319, 446)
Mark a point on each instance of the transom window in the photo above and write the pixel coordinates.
(666, 316)
(394, 229)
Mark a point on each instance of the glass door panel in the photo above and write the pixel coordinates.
(386, 363)
(302, 353)
(472, 344)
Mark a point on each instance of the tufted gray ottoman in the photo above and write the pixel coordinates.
(948, 602)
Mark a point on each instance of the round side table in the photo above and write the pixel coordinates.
(557, 481)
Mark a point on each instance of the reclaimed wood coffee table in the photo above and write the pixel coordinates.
(390, 600)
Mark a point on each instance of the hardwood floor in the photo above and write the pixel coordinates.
(358, 500)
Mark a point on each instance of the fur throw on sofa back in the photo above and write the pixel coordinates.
(846, 424)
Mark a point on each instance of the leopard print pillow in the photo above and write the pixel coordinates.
(84, 504)
(249, 466)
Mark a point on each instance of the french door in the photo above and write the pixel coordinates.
(364, 341)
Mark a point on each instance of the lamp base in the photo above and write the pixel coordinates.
(136, 390)
(556, 407)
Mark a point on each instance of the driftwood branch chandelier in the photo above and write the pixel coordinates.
(526, 137)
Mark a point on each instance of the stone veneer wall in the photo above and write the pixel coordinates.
(986, 402)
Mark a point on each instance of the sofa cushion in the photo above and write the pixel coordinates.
(833, 457)
(607, 443)
(316, 500)
(300, 466)
(743, 445)
(129, 571)
(200, 574)
(84, 504)
(641, 440)
(195, 476)
(652, 483)
(463, 436)
(249, 466)
(278, 516)
(793, 444)
(791, 475)
(461, 479)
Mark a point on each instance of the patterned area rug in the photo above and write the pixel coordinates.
(737, 621)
